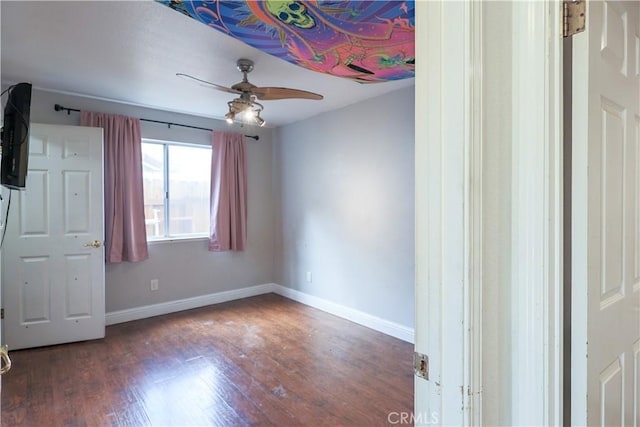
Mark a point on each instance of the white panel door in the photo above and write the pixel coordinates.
(53, 260)
(606, 217)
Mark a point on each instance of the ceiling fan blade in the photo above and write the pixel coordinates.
(207, 84)
(273, 93)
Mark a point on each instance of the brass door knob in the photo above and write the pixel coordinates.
(6, 362)
(95, 244)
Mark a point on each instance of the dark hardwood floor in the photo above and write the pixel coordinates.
(264, 360)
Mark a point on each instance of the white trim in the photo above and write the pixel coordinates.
(169, 240)
(146, 311)
(554, 204)
(376, 323)
(580, 252)
(448, 198)
(537, 214)
(428, 170)
(474, 100)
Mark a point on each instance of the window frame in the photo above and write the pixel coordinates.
(168, 238)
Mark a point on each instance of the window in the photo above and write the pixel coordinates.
(176, 189)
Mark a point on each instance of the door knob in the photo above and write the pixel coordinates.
(6, 362)
(95, 244)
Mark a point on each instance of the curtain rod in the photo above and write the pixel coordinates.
(59, 107)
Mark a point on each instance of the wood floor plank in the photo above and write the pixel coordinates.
(259, 361)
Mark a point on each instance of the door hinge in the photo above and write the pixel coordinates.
(421, 365)
(1, 313)
(573, 17)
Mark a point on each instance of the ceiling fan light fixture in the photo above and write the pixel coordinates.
(244, 108)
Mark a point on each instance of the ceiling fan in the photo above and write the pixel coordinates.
(245, 107)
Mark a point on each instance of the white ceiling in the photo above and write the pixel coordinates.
(129, 52)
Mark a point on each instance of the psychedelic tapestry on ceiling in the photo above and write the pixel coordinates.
(366, 41)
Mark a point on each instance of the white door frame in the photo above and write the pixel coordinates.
(448, 202)
(537, 217)
(449, 213)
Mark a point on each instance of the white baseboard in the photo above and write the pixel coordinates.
(381, 325)
(143, 312)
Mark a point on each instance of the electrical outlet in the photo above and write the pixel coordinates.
(309, 278)
(154, 284)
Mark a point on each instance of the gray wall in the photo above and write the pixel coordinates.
(184, 269)
(346, 211)
(332, 195)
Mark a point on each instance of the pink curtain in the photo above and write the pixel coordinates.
(125, 233)
(228, 225)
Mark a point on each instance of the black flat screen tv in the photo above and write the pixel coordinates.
(15, 137)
